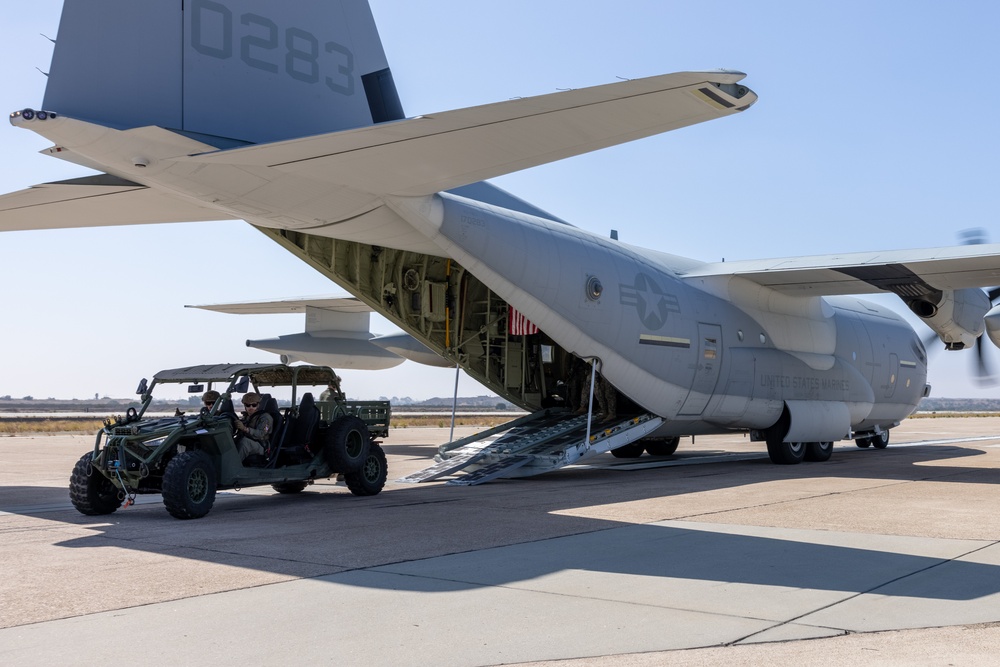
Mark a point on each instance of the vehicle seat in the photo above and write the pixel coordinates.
(270, 406)
(304, 426)
(226, 409)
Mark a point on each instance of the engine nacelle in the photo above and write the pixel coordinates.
(954, 315)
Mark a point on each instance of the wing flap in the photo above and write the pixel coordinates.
(95, 201)
(428, 154)
(903, 272)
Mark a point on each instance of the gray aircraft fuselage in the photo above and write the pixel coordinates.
(672, 346)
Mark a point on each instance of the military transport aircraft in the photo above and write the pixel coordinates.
(286, 115)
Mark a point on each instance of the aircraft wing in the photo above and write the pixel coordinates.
(95, 201)
(441, 151)
(907, 273)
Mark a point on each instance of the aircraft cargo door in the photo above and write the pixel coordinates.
(706, 373)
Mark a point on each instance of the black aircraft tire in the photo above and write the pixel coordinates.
(347, 444)
(818, 451)
(863, 443)
(880, 440)
(92, 493)
(786, 453)
(632, 451)
(661, 446)
(189, 485)
(290, 487)
(371, 478)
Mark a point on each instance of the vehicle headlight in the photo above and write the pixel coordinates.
(155, 442)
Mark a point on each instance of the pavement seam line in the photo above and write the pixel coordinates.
(866, 592)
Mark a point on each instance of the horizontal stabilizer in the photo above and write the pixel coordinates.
(336, 334)
(342, 304)
(431, 153)
(95, 201)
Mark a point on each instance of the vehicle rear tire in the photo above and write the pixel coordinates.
(290, 487)
(369, 480)
(661, 446)
(347, 444)
(819, 451)
(189, 485)
(880, 440)
(632, 451)
(91, 492)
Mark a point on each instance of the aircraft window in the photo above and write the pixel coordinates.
(739, 334)
(763, 338)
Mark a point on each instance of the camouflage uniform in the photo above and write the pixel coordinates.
(259, 426)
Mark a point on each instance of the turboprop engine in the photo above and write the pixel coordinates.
(957, 316)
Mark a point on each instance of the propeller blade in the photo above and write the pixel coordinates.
(984, 374)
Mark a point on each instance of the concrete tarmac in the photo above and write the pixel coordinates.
(711, 556)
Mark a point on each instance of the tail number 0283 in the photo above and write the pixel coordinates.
(305, 59)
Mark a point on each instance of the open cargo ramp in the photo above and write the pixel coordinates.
(537, 443)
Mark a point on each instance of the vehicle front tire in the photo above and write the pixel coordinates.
(661, 446)
(347, 445)
(370, 479)
(91, 492)
(632, 451)
(189, 485)
(819, 451)
(290, 487)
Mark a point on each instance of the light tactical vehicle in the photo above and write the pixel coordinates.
(188, 457)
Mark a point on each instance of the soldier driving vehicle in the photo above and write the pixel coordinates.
(187, 458)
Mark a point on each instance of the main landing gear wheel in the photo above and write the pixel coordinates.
(189, 485)
(779, 451)
(661, 446)
(818, 451)
(632, 451)
(91, 492)
(786, 453)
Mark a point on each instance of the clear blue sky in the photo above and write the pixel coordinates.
(875, 129)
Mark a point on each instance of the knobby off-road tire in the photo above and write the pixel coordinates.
(189, 485)
(91, 492)
(347, 445)
(371, 478)
(290, 487)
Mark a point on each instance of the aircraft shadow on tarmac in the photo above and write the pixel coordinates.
(436, 538)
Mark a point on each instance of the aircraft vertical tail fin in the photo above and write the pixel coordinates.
(249, 71)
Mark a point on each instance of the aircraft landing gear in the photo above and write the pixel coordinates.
(819, 451)
(785, 453)
(879, 441)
